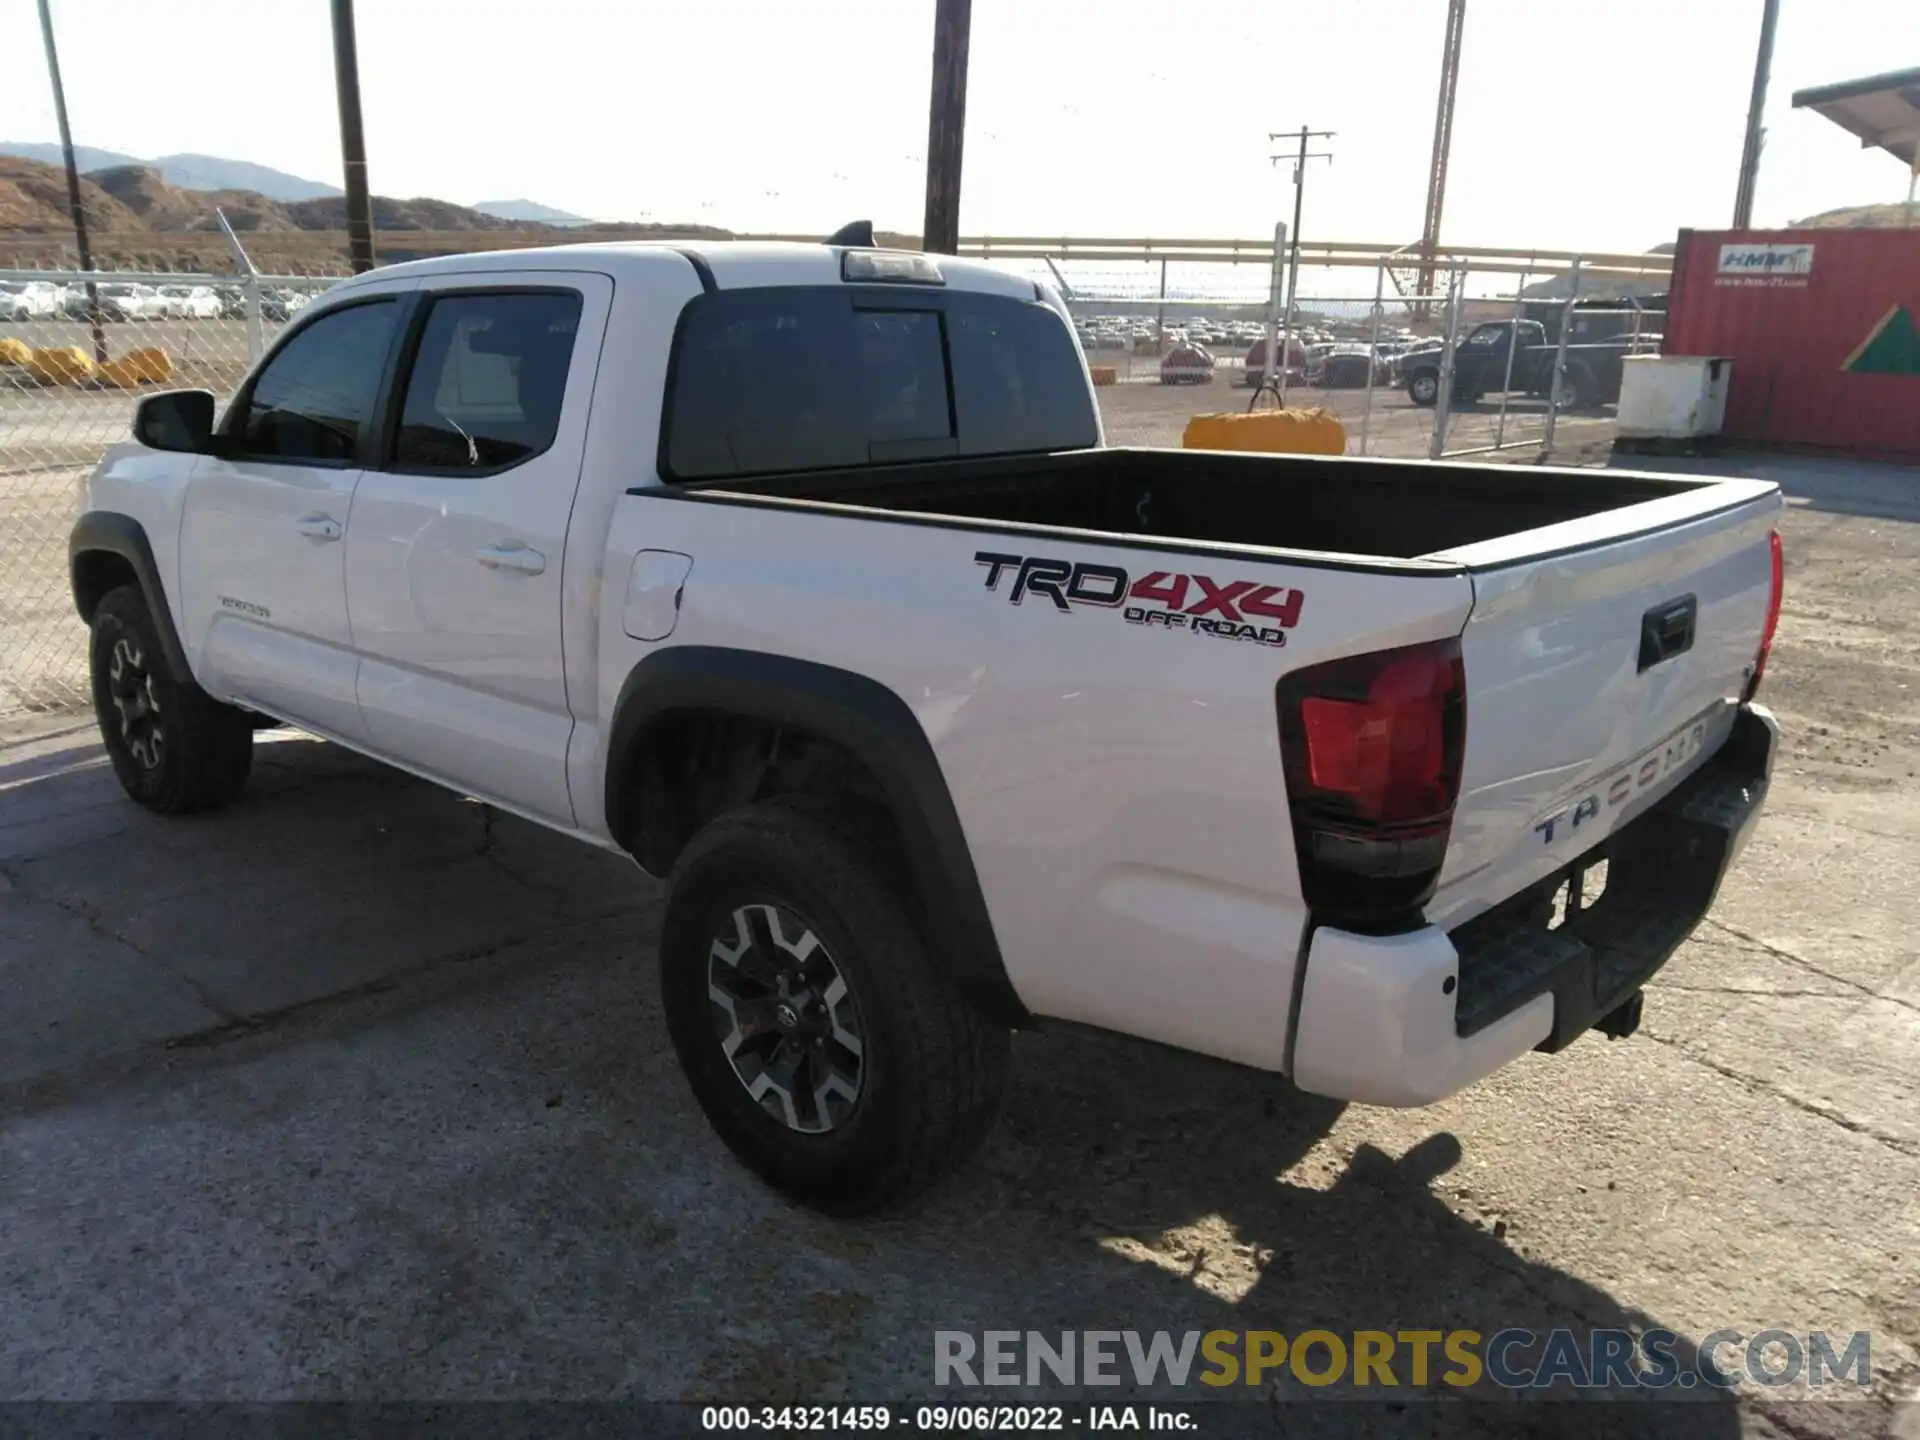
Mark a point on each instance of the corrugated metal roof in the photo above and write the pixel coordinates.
(1883, 110)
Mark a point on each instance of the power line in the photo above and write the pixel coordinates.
(1300, 158)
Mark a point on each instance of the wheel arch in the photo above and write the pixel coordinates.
(857, 716)
(106, 550)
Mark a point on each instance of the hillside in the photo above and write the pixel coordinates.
(185, 172)
(126, 199)
(1857, 217)
(528, 210)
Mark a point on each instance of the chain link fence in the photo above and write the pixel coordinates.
(68, 386)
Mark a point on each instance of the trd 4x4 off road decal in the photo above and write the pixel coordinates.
(1235, 610)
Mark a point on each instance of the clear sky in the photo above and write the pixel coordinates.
(1595, 124)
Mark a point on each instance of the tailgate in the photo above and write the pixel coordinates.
(1605, 659)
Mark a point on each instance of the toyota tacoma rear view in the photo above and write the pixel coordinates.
(800, 574)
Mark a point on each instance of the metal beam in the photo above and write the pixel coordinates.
(1756, 119)
(353, 139)
(946, 125)
(1442, 143)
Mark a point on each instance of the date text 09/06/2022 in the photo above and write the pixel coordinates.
(943, 1419)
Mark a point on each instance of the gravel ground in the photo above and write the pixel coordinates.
(360, 1090)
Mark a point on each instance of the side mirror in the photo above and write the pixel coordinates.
(179, 420)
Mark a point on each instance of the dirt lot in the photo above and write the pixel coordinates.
(360, 1090)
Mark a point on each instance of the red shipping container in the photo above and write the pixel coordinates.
(1823, 327)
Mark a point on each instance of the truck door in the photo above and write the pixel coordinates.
(263, 594)
(453, 556)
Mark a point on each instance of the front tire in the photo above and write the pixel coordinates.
(817, 1029)
(1423, 389)
(174, 748)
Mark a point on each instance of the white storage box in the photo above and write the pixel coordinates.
(1673, 397)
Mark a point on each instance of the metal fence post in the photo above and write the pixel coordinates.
(1513, 348)
(1373, 351)
(1560, 364)
(1443, 402)
(1160, 314)
(1273, 362)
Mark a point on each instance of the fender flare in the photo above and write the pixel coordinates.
(871, 722)
(109, 532)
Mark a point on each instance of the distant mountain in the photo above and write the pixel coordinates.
(528, 210)
(127, 199)
(1855, 217)
(86, 156)
(184, 172)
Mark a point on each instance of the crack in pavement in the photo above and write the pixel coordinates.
(97, 923)
(1819, 1109)
(1850, 996)
(17, 1098)
(1808, 965)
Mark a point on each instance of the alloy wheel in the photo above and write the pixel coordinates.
(785, 1018)
(131, 688)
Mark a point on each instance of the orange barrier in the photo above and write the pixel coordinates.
(148, 366)
(64, 365)
(1104, 374)
(1279, 432)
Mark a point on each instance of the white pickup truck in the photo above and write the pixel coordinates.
(799, 573)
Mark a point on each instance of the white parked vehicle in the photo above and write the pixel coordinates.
(122, 302)
(189, 302)
(799, 574)
(30, 300)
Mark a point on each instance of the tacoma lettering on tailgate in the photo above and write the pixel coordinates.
(1628, 783)
(1160, 599)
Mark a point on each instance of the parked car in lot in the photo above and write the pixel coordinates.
(1187, 364)
(120, 302)
(31, 300)
(190, 302)
(1481, 367)
(1344, 367)
(799, 574)
(1256, 362)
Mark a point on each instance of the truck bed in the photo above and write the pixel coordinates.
(1383, 509)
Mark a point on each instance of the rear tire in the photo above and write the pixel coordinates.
(174, 748)
(829, 1049)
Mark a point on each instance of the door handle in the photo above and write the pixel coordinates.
(318, 527)
(511, 555)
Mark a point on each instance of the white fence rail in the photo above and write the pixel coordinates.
(68, 387)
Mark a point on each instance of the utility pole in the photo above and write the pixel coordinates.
(1442, 147)
(1756, 115)
(353, 139)
(1293, 257)
(946, 125)
(75, 208)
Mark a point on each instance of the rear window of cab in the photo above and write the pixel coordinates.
(778, 379)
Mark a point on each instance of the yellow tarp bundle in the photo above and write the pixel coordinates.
(148, 366)
(1278, 432)
(65, 365)
(15, 352)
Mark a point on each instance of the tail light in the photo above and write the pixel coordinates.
(1372, 746)
(1773, 619)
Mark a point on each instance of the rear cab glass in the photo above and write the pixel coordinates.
(771, 380)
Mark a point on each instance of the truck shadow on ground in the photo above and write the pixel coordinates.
(499, 1121)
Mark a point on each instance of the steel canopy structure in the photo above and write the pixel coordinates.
(1883, 110)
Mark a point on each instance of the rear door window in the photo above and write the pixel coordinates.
(791, 378)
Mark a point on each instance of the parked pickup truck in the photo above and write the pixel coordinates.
(798, 573)
(1480, 368)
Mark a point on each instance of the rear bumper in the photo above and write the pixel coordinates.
(1409, 1019)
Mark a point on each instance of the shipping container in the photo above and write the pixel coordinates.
(1823, 327)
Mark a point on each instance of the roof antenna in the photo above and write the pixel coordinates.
(857, 236)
